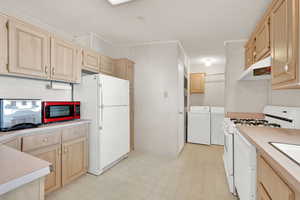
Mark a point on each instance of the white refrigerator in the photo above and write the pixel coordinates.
(105, 101)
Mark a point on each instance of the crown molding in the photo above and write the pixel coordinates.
(234, 41)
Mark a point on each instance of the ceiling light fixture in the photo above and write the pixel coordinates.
(208, 61)
(117, 2)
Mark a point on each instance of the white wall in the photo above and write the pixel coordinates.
(242, 96)
(156, 98)
(284, 97)
(12, 87)
(214, 87)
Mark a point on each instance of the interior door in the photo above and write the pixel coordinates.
(181, 122)
(114, 142)
(115, 92)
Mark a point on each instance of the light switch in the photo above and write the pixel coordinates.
(166, 94)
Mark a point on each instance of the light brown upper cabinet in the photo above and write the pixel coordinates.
(197, 83)
(29, 50)
(91, 61)
(249, 53)
(124, 68)
(284, 42)
(107, 65)
(3, 44)
(262, 40)
(63, 60)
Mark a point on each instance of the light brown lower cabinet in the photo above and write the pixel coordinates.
(30, 191)
(270, 185)
(13, 143)
(65, 149)
(74, 159)
(51, 154)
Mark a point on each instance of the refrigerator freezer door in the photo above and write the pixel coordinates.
(114, 141)
(115, 92)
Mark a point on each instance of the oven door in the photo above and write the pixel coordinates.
(55, 111)
(244, 167)
(228, 160)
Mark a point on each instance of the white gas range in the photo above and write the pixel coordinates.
(240, 155)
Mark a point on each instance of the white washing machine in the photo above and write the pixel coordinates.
(199, 125)
(217, 118)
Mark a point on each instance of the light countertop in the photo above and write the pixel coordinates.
(261, 138)
(18, 168)
(29, 131)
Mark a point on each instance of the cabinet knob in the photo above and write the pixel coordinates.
(45, 140)
(286, 68)
(65, 150)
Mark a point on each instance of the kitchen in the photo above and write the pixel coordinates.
(130, 101)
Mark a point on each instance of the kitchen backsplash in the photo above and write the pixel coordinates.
(12, 87)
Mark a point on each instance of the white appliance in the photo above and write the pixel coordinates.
(244, 167)
(105, 100)
(240, 155)
(199, 125)
(216, 125)
(228, 153)
(249, 75)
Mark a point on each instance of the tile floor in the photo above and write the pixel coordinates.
(197, 174)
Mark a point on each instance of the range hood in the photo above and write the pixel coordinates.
(254, 71)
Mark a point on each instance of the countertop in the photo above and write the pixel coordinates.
(260, 137)
(29, 131)
(18, 168)
(245, 115)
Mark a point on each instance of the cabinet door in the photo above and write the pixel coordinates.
(197, 83)
(262, 194)
(29, 50)
(284, 41)
(3, 44)
(262, 41)
(51, 154)
(274, 186)
(91, 61)
(250, 53)
(13, 143)
(74, 159)
(63, 60)
(107, 65)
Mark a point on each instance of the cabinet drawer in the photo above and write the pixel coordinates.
(272, 183)
(74, 132)
(37, 141)
(13, 143)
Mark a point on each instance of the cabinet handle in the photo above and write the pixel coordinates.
(51, 168)
(45, 140)
(46, 69)
(53, 71)
(65, 150)
(286, 68)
